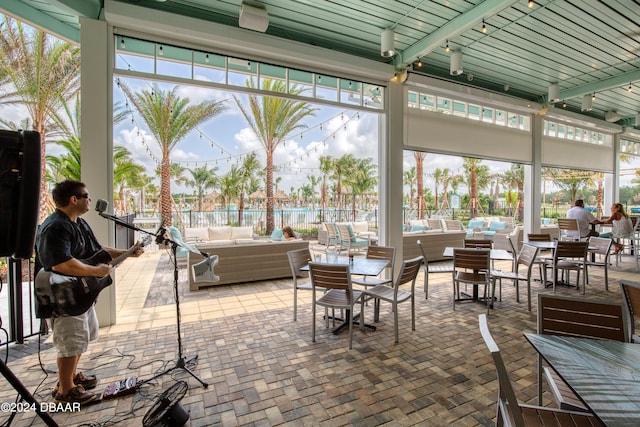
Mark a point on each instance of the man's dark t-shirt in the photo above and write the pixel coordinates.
(59, 239)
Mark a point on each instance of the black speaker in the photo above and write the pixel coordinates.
(20, 164)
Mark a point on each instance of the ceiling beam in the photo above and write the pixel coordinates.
(451, 29)
(44, 22)
(87, 8)
(620, 80)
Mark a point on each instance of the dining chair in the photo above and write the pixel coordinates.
(631, 304)
(384, 253)
(569, 229)
(526, 257)
(569, 256)
(395, 295)
(332, 233)
(576, 317)
(600, 246)
(348, 240)
(431, 268)
(478, 243)
(336, 280)
(472, 266)
(544, 255)
(512, 413)
(297, 259)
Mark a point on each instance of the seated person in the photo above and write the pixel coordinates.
(622, 226)
(288, 233)
(585, 219)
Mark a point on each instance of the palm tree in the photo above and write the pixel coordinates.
(313, 181)
(419, 155)
(169, 119)
(230, 188)
(410, 179)
(203, 179)
(342, 168)
(569, 180)
(126, 173)
(477, 178)
(271, 119)
(41, 73)
(326, 166)
(250, 167)
(364, 179)
(515, 178)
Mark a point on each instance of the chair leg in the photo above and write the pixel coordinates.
(295, 303)
(351, 328)
(313, 321)
(395, 322)
(426, 283)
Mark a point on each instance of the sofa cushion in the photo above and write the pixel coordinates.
(276, 234)
(241, 233)
(196, 234)
(476, 223)
(497, 225)
(360, 226)
(220, 233)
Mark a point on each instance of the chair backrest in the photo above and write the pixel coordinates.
(471, 258)
(507, 401)
(453, 224)
(631, 303)
(600, 245)
(343, 234)
(571, 250)
(409, 272)
(478, 243)
(297, 259)
(569, 226)
(331, 230)
(424, 254)
(434, 224)
(559, 315)
(539, 237)
(527, 256)
(385, 253)
(330, 276)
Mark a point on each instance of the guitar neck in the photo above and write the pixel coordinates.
(117, 260)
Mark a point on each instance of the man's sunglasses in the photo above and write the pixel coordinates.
(82, 196)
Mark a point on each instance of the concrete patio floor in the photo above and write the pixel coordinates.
(263, 369)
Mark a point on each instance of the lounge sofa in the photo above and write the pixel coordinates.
(241, 256)
(433, 242)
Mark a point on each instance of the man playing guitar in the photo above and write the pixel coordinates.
(63, 240)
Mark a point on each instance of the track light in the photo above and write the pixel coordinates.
(387, 43)
(587, 103)
(419, 64)
(531, 3)
(484, 26)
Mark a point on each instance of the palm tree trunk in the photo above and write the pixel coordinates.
(269, 189)
(165, 191)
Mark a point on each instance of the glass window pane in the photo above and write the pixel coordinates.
(474, 111)
(501, 117)
(444, 105)
(487, 114)
(373, 96)
(459, 109)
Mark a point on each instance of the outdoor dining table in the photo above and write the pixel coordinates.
(494, 255)
(604, 374)
(359, 267)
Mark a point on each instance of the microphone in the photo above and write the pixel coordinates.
(101, 206)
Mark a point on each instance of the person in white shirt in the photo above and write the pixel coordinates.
(585, 219)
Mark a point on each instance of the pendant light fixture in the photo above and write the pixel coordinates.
(387, 43)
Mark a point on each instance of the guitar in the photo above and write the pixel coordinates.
(72, 296)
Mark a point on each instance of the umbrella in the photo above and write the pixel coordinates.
(258, 195)
(280, 195)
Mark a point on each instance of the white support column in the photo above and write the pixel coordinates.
(533, 179)
(97, 138)
(612, 180)
(390, 163)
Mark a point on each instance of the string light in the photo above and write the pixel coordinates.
(419, 64)
(484, 27)
(160, 51)
(122, 45)
(593, 97)
(447, 48)
(630, 88)
(530, 3)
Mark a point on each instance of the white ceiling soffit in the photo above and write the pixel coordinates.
(260, 47)
(471, 94)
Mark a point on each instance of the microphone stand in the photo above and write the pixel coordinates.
(181, 362)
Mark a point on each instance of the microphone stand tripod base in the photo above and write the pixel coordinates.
(181, 362)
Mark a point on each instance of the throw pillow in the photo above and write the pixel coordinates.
(277, 234)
